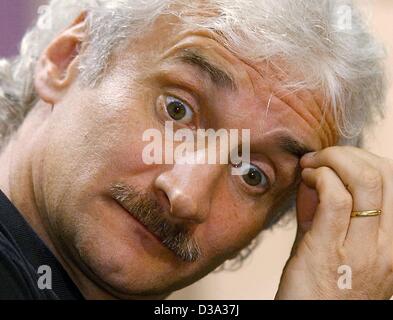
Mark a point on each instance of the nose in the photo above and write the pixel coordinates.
(189, 188)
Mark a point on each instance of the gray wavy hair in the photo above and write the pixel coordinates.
(326, 41)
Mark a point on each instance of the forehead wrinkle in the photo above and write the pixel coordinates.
(327, 120)
(218, 76)
(271, 77)
(203, 41)
(317, 107)
(306, 112)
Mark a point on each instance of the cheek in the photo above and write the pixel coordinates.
(233, 222)
(118, 130)
(122, 128)
(92, 142)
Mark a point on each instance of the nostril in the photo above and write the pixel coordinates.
(183, 200)
(164, 200)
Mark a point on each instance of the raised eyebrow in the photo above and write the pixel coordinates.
(218, 76)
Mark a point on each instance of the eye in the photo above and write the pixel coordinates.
(254, 177)
(178, 110)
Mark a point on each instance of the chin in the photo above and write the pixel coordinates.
(136, 277)
(119, 255)
(128, 269)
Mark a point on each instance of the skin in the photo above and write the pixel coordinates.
(59, 166)
(345, 179)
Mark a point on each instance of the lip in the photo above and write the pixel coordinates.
(142, 226)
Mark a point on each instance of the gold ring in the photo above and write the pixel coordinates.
(366, 213)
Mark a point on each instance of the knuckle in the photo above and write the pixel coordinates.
(323, 174)
(341, 253)
(371, 178)
(386, 167)
(340, 202)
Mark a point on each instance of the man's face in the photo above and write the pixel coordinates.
(93, 160)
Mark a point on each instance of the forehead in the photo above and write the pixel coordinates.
(256, 97)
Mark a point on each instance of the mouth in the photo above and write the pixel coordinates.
(143, 226)
(150, 220)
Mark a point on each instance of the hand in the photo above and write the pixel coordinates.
(335, 182)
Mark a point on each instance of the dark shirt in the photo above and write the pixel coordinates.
(22, 253)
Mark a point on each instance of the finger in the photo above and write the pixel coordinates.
(385, 167)
(332, 217)
(363, 181)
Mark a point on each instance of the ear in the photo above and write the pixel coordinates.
(57, 68)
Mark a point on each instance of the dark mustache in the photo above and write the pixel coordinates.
(150, 213)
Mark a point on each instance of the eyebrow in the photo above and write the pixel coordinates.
(219, 77)
(293, 147)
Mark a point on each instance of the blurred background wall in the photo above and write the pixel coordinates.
(259, 276)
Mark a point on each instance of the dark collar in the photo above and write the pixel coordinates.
(35, 251)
